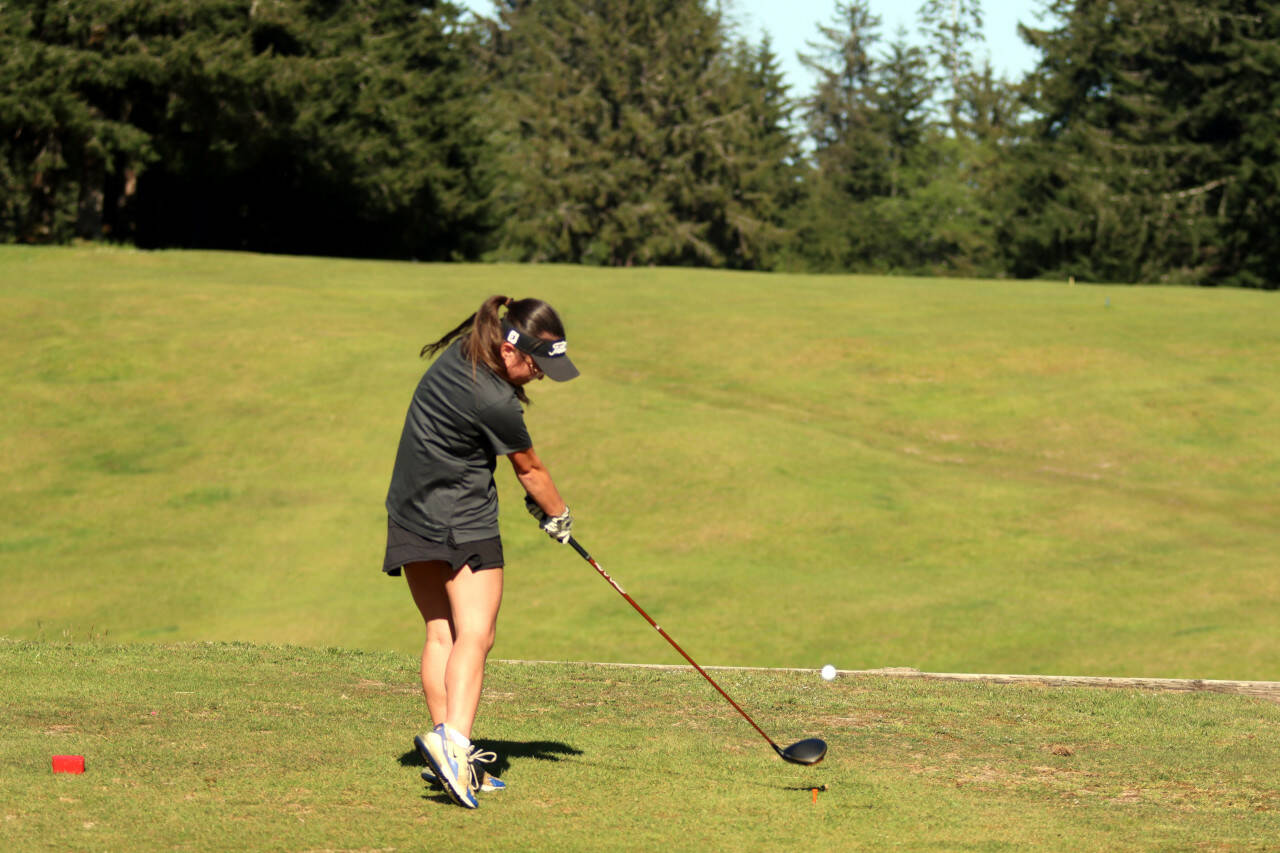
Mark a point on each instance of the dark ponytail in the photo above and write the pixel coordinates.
(481, 333)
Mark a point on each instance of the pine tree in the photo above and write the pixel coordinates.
(952, 29)
(622, 137)
(766, 158)
(81, 85)
(851, 150)
(967, 197)
(1236, 124)
(970, 148)
(279, 125)
(1156, 147)
(388, 124)
(842, 115)
(904, 91)
(904, 221)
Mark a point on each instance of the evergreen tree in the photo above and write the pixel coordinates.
(1240, 112)
(767, 157)
(80, 85)
(904, 92)
(851, 150)
(966, 199)
(280, 125)
(905, 218)
(623, 136)
(952, 29)
(894, 186)
(369, 149)
(842, 115)
(1155, 153)
(991, 115)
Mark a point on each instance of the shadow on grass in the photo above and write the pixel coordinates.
(507, 750)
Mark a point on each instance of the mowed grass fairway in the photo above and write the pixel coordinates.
(230, 747)
(956, 476)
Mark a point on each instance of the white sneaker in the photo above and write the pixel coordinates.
(451, 764)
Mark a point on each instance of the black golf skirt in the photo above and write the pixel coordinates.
(405, 547)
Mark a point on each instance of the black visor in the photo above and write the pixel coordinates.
(552, 357)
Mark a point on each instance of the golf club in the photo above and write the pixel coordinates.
(808, 751)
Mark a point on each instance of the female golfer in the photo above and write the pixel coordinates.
(442, 508)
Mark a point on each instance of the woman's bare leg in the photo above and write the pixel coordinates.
(461, 615)
(474, 599)
(427, 584)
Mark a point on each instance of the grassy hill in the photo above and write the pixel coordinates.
(784, 470)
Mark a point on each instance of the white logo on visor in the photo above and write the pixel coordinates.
(513, 337)
(559, 348)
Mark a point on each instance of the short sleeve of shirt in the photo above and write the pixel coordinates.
(503, 425)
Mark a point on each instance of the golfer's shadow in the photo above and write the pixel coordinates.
(538, 750)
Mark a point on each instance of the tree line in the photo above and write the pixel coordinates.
(1144, 146)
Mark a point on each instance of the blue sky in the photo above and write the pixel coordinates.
(791, 23)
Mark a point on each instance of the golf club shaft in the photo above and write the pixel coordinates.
(583, 552)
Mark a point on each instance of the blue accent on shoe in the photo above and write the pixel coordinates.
(488, 782)
(481, 779)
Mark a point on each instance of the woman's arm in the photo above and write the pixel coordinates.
(536, 480)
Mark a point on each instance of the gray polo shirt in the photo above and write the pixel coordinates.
(459, 422)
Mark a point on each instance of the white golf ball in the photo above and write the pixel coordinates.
(828, 673)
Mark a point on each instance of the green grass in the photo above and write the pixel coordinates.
(784, 470)
(239, 747)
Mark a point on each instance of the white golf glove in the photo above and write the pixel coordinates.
(558, 527)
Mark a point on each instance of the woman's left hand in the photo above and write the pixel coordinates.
(559, 527)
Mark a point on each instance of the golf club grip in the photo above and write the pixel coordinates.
(583, 552)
